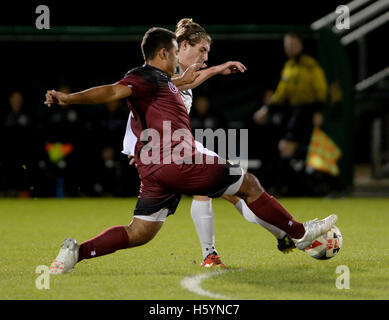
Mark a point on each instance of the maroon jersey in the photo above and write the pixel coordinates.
(156, 104)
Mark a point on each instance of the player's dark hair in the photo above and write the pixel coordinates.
(191, 31)
(154, 40)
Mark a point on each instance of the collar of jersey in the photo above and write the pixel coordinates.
(162, 73)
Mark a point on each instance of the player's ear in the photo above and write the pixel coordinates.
(183, 45)
(162, 53)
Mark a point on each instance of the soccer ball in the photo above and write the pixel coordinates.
(327, 245)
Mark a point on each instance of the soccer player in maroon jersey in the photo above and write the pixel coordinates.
(168, 164)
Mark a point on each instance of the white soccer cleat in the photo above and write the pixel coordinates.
(312, 221)
(314, 229)
(67, 257)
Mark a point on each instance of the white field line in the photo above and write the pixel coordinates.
(193, 284)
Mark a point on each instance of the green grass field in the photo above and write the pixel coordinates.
(31, 232)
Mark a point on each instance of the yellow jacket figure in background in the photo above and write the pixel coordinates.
(302, 88)
(302, 82)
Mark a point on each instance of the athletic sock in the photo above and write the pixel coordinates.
(268, 208)
(245, 211)
(112, 239)
(202, 215)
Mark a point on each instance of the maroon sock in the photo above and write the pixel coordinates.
(109, 241)
(268, 208)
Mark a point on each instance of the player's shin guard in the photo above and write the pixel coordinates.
(112, 239)
(268, 208)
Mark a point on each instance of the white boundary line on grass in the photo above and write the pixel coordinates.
(193, 284)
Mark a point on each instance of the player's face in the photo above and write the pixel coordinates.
(198, 53)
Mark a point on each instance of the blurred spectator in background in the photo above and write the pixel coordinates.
(265, 144)
(297, 104)
(203, 116)
(17, 148)
(112, 124)
(63, 139)
(109, 173)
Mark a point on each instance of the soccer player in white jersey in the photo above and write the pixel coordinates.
(194, 45)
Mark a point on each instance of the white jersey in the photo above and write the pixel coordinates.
(187, 97)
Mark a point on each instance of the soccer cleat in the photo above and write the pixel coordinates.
(212, 261)
(286, 244)
(67, 257)
(314, 229)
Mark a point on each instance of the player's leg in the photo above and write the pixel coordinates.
(284, 242)
(153, 206)
(245, 211)
(203, 218)
(112, 239)
(137, 233)
(267, 208)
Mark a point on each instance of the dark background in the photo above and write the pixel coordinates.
(153, 13)
(35, 66)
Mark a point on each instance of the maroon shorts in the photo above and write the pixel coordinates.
(164, 187)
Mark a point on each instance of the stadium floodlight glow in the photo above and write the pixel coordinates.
(329, 18)
(367, 83)
(368, 27)
(364, 14)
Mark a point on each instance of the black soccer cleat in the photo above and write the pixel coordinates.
(286, 244)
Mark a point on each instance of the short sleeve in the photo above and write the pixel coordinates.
(139, 85)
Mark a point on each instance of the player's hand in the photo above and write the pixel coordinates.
(192, 72)
(132, 160)
(260, 116)
(57, 97)
(231, 67)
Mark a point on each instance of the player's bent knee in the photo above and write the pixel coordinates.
(141, 231)
(250, 189)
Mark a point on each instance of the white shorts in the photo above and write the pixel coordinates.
(159, 216)
(234, 188)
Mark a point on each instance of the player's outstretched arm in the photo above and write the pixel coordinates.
(227, 68)
(96, 95)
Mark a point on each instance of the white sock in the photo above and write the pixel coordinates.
(251, 217)
(202, 215)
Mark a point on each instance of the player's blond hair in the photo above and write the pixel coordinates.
(191, 31)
